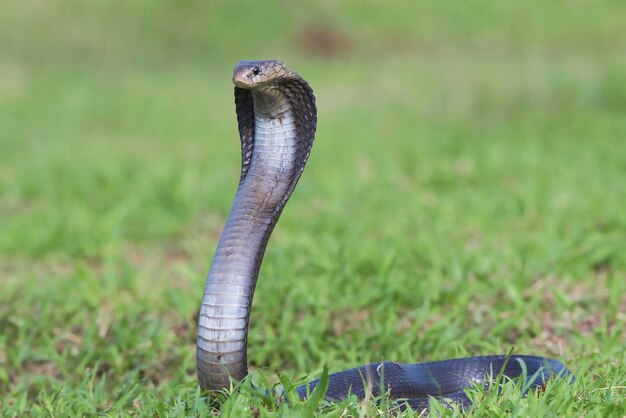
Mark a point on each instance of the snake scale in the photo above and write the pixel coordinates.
(277, 119)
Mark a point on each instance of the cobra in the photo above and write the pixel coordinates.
(277, 118)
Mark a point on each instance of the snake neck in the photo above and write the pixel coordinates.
(272, 171)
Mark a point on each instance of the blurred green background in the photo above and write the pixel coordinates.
(465, 192)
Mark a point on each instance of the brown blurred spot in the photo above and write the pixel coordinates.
(344, 321)
(103, 369)
(602, 267)
(42, 367)
(323, 41)
(70, 340)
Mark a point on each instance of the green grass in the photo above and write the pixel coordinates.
(465, 195)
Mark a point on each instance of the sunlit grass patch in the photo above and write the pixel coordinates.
(465, 194)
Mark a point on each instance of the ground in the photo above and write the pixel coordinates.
(465, 196)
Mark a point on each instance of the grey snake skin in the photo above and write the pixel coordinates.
(277, 118)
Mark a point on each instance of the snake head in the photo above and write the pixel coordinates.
(255, 74)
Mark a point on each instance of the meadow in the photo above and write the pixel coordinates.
(465, 196)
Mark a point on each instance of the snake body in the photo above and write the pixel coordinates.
(277, 118)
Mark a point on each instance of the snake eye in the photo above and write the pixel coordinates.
(256, 70)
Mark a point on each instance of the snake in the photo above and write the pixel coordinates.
(277, 119)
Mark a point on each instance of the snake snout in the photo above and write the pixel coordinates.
(242, 80)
